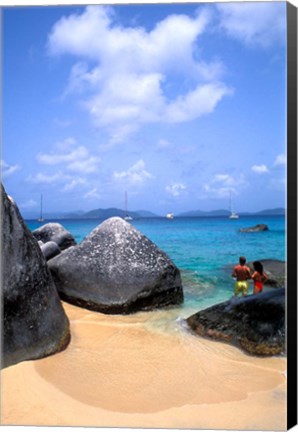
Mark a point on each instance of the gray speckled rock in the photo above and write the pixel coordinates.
(255, 323)
(275, 270)
(50, 250)
(54, 232)
(256, 228)
(34, 323)
(116, 269)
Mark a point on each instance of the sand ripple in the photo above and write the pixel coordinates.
(121, 364)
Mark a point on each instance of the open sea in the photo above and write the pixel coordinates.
(204, 249)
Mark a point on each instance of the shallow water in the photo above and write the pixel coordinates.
(204, 249)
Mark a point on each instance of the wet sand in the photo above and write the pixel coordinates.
(144, 370)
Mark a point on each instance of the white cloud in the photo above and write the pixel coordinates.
(28, 204)
(66, 182)
(73, 184)
(132, 49)
(196, 103)
(125, 86)
(219, 191)
(92, 194)
(222, 185)
(58, 158)
(73, 157)
(254, 23)
(7, 170)
(280, 160)
(66, 145)
(175, 189)
(135, 175)
(86, 166)
(47, 178)
(260, 169)
(226, 179)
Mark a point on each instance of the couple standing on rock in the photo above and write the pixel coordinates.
(242, 273)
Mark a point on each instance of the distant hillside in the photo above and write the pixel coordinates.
(139, 214)
(199, 213)
(73, 215)
(272, 212)
(110, 212)
(146, 214)
(106, 213)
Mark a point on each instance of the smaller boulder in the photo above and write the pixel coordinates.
(256, 228)
(255, 323)
(50, 250)
(55, 232)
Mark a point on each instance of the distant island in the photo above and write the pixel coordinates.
(142, 214)
(110, 212)
(221, 213)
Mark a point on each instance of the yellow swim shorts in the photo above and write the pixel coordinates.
(241, 287)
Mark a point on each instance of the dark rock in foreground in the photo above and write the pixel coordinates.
(255, 323)
(34, 324)
(54, 232)
(116, 269)
(256, 228)
(275, 270)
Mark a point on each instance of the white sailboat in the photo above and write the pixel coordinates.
(41, 218)
(233, 214)
(170, 215)
(126, 217)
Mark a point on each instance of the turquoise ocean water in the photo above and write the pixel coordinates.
(204, 249)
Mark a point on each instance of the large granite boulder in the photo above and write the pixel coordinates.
(256, 228)
(254, 323)
(55, 232)
(116, 269)
(275, 270)
(34, 324)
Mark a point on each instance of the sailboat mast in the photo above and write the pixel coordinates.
(41, 207)
(126, 214)
(126, 217)
(233, 215)
(40, 219)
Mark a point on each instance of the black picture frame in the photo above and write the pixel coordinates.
(292, 214)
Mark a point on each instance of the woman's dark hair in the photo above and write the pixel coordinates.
(258, 267)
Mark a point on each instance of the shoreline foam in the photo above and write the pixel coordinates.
(125, 371)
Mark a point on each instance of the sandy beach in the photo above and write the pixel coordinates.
(144, 370)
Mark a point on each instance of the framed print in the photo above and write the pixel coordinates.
(149, 215)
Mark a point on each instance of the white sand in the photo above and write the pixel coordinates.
(126, 371)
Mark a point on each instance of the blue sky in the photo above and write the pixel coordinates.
(179, 105)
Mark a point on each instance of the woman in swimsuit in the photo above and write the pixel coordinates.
(259, 277)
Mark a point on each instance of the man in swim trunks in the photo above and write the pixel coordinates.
(242, 273)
